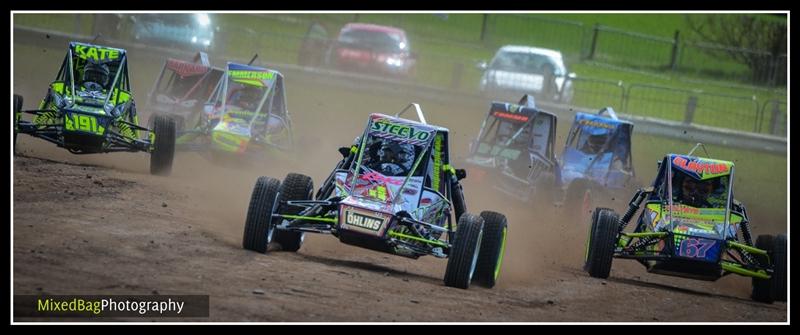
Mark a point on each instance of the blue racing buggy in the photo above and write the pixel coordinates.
(394, 191)
(596, 164)
(515, 149)
(89, 109)
(691, 226)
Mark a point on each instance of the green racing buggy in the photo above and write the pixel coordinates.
(245, 117)
(394, 191)
(692, 227)
(89, 109)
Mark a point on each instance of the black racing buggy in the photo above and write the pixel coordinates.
(89, 109)
(394, 191)
(515, 150)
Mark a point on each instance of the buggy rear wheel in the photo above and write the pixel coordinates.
(602, 239)
(779, 273)
(294, 187)
(770, 290)
(163, 147)
(493, 245)
(463, 256)
(258, 226)
(17, 107)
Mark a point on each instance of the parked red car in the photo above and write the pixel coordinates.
(373, 48)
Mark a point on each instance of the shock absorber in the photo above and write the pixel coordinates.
(125, 130)
(633, 206)
(748, 237)
(643, 242)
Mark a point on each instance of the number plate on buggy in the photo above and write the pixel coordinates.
(697, 248)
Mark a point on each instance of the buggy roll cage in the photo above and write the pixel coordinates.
(420, 115)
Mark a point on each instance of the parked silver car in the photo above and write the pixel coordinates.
(516, 70)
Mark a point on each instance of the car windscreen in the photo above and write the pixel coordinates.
(177, 87)
(525, 62)
(591, 140)
(688, 190)
(105, 65)
(503, 127)
(699, 206)
(243, 101)
(372, 39)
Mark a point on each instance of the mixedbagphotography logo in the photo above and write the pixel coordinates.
(111, 306)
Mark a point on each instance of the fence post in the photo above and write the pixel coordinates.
(691, 105)
(77, 29)
(355, 17)
(594, 40)
(483, 26)
(776, 111)
(673, 61)
(458, 69)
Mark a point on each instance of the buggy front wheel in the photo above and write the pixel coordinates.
(602, 240)
(163, 147)
(463, 256)
(258, 228)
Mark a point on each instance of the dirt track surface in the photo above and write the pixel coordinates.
(100, 224)
(93, 230)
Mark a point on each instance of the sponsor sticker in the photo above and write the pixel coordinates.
(355, 219)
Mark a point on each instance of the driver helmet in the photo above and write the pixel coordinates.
(396, 157)
(695, 192)
(96, 73)
(247, 98)
(595, 143)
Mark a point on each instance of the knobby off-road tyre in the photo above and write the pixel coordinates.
(603, 239)
(164, 147)
(258, 226)
(294, 187)
(490, 258)
(463, 256)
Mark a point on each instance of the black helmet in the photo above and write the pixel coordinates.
(393, 152)
(595, 142)
(96, 73)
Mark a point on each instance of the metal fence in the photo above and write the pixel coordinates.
(693, 107)
(687, 106)
(279, 39)
(772, 118)
(636, 50)
(631, 49)
(598, 93)
(569, 37)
